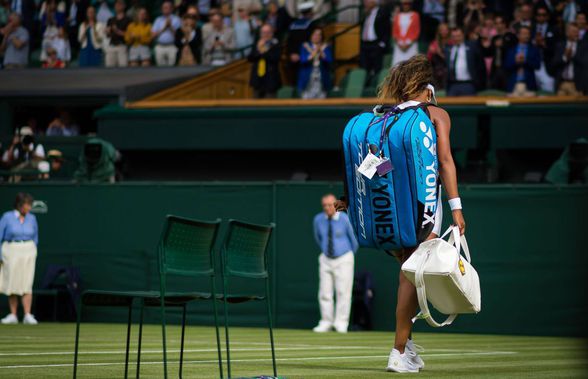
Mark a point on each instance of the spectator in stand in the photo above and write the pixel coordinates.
(138, 37)
(521, 62)
(406, 29)
(61, 46)
(432, 14)
(375, 38)
(134, 9)
(582, 27)
(193, 12)
(525, 17)
(473, 13)
(51, 30)
(314, 79)
(91, 37)
(163, 33)
(273, 17)
(27, 9)
(103, 11)
(466, 73)
(23, 151)
(570, 63)
(319, 7)
(226, 11)
(15, 43)
(501, 43)
(436, 54)
(52, 11)
(75, 16)
(570, 10)
(299, 32)
(245, 31)
(207, 27)
(52, 60)
(251, 6)
(204, 9)
(116, 54)
(62, 126)
(265, 68)
(544, 39)
(188, 42)
(219, 43)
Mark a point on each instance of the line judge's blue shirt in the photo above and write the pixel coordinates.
(12, 230)
(343, 237)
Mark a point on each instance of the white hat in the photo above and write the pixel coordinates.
(25, 131)
(305, 6)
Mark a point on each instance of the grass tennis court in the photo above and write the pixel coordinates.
(46, 351)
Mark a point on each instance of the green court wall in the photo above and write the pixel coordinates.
(527, 243)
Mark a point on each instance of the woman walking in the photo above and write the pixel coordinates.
(19, 235)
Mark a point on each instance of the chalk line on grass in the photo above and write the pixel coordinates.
(436, 355)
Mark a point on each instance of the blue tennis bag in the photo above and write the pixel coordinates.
(396, 208)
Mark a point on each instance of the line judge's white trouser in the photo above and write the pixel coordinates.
(336, 276)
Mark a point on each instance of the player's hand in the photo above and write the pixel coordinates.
(459, 221)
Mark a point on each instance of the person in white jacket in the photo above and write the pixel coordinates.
(91, 35)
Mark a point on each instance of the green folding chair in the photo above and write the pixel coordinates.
(185, 249)
(244, 254)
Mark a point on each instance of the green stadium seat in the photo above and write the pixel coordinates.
(185, 249)
(355, 83)
(35, 58)
(244, 254)
(337, 91)
(286, 92)
(387, 62)
(372, 90)
(545, 93)
(492, 92)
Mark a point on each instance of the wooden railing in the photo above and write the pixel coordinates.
(227, 82)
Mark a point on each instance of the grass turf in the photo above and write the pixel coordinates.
(46, 351)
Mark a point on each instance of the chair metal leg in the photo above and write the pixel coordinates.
(163, 336)
(128, 339)
(79, 320)
(140, 339)
(269, 321)
(227, 329)
(182, 343)
(218, 344)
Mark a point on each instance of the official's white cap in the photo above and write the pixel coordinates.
(306, 6)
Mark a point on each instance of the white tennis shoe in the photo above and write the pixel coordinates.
(400, 363)
(413, 350)
(29, 319)
(10, 319)
(322, 327)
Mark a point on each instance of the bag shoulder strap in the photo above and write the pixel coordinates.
(425, 313)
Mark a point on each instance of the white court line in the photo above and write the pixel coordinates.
(440, 355)
(187, 351)
(151, 351)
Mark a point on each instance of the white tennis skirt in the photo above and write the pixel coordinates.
(18, 267)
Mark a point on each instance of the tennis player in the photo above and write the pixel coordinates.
(408, 85)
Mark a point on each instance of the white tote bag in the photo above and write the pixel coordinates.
(444, 278)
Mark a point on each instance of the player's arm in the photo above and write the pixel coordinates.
(447, 169)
